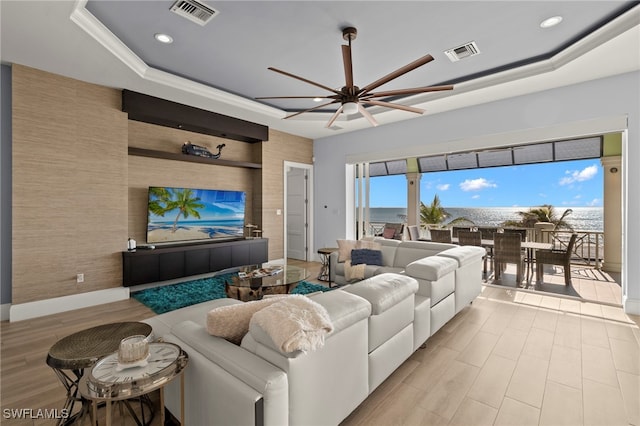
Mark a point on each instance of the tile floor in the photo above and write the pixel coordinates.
(518, 358)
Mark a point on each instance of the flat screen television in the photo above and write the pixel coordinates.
(184, 214)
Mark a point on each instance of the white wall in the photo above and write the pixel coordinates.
(593, 107)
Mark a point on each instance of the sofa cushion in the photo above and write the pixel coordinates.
(231, 322)
(384, 291)
(344, 309)
(388, 249)
(388, 270)
(366, 256)
(464, 254)
(409, 251)
(432, 268)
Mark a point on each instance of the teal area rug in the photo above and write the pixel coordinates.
(175, 296)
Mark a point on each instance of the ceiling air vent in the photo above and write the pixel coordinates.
(194, 11)
(461, 52)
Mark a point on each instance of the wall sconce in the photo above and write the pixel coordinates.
(613, 170)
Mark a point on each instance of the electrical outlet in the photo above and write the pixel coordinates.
(80, 278)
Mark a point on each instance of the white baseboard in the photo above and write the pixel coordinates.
(56, 305)
(631, 306)
(4, 311)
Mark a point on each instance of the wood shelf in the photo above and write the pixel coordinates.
(141, 152)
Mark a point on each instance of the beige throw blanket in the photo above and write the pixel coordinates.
(353, 272)
(295, 323)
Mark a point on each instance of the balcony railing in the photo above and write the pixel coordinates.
(588, 249)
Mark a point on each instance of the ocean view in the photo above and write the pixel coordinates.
(582, 218)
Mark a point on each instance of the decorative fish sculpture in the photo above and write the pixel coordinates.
(201, 151)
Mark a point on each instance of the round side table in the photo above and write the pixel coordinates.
(69, 356)
(325, 271)
(108, 381)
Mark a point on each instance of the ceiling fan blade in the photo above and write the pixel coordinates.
(298, 97)
(305, 80)
(397, 73)
(310, 109)
(412, 91)
(367, 115)
(395, 106)
(348, 67)
(333, 117)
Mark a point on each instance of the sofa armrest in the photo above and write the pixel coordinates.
(226, 384)
(333, 262)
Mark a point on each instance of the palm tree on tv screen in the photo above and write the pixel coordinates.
(158, 199)
(181, 199)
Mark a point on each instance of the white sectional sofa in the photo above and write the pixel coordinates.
(377, 324)
(396, 255)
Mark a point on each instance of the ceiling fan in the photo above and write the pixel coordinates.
(351, 97)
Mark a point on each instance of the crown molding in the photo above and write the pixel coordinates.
(94, 28)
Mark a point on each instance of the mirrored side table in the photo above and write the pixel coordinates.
(69, 357)
(107, 381)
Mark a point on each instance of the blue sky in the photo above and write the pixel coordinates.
(568, 183)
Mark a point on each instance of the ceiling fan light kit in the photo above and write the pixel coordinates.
(353, 98)
(350, 108)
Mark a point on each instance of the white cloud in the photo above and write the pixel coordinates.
(476, 184)
(579, 175)
(443, 186)
(475, 197)
(594, 202)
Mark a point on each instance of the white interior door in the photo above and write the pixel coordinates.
(297, 213)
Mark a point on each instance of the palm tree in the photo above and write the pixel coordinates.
(158, 199)
(186, 204)
(543, 213)
(435, 214)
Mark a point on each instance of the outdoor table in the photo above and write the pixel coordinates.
(529, 246)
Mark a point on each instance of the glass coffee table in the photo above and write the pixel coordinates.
(253, 282)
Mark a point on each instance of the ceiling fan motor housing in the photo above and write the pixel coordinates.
(349, 33)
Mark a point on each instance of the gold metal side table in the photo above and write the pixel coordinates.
(325, 272)
(108, 382)
(69, 356)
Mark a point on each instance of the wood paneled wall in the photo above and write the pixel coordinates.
(69, 185)
(78, 196)
(145, 172)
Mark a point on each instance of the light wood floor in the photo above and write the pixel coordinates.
(511, 358)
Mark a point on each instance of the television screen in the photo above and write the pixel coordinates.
(183, 214)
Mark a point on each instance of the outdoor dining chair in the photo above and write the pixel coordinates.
(473, 238)
(520, 231)
(440, 235)
(507, 249)
(393, 231)
(556, 257)
(414, 232)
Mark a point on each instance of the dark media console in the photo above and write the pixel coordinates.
(171, 262)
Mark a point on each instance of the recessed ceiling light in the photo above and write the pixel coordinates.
(163, 38)
(317, 99)
(551, 22)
